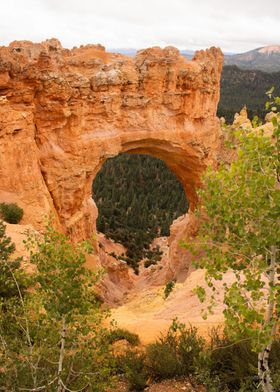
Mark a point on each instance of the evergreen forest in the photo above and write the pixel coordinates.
(138, 198)
(240, 87)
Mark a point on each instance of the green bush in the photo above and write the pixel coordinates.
(163, 361)
(203, 377)
(233, 363)
(177, 353)
(232, 366)
(221, 366)
(132, 365)
(153, 256)
(120, 334)
(11, 213)
(168, 289)
(136, 372)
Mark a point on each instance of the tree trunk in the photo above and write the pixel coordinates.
(264, 371)
(60, 385)
(263, 366)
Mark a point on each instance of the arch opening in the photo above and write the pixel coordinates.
(138, 197)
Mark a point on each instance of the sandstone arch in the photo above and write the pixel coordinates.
(64, 112)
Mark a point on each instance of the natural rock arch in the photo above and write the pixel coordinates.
(64, 112)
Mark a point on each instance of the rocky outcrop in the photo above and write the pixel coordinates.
(176, 263)
(119, 279)
(64, 112)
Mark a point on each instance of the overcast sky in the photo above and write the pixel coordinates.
(234, 25)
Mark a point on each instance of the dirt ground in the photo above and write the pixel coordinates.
(148, 314)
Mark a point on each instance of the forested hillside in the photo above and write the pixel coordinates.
(137, 197)
(241, 87)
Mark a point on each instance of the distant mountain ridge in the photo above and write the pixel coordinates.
(265, 59)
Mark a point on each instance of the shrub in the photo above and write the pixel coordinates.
(136, 372)
(153, 256)
(234, 363)
(11, 213)
(168, 289)
(204, 377)
(120, 334)
(163, 361)
(175, 354)
(232, 366)
(132, 364)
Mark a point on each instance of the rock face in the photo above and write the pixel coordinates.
(64, 112)
(176, 262)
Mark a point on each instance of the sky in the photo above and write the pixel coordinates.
(234, 25)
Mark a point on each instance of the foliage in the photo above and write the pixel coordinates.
(137, 197)
(240, 232)
(242, 202)
(123, 334)
(177, 353)
(133, 366)
(65, 285)
(168, 289)
(11, 212)
(153, 256)
(12, 278)
(13, 286)
(55, 340)
(221, 365)
(233, 363)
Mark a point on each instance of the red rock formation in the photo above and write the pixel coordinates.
(64, 112)
(176, 262)
(119, 279)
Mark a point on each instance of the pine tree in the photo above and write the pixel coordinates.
(146, 199)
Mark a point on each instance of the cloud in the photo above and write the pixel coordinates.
(190, 24)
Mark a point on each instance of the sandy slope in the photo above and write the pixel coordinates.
(148, 314)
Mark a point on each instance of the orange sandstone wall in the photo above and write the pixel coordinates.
(64, 112)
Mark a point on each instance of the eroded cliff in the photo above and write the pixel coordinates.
(64, 112)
